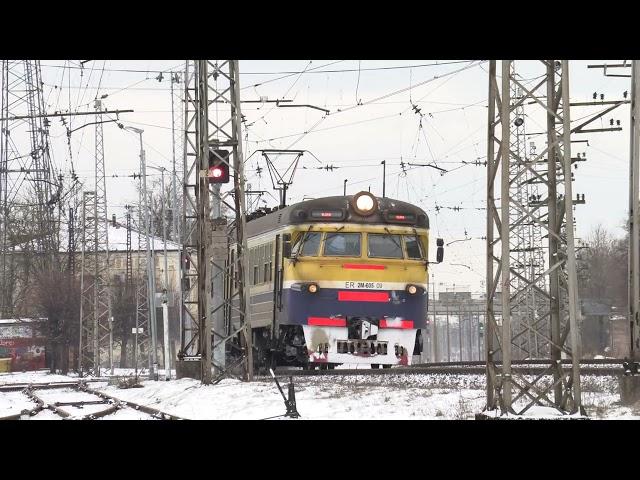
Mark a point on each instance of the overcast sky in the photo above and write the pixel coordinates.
(452, 98)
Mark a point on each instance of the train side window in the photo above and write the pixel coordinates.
(310, 242)
(342, 244)
(384, 246)
(255, 275)
(266, 273)
(413, 246)
(263, 250)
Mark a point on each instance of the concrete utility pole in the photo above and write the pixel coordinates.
(448, 335)
(630, 382)
(212, 127)
(165, 333)
(510, 392)
(219, 256)
(434, 333)
(634, 215)
(165, 309)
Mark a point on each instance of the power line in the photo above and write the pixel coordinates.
(345, 70)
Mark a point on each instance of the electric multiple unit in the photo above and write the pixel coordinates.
(337, 280)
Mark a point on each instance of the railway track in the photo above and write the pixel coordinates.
(18, 387)
(77, 401)
(605, 367)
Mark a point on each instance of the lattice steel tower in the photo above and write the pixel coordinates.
(26, 171)
(508, 390)
(178, 135)
(525, 235)
(212, 124)
(95, 307)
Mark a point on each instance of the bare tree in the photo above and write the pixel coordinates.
(123, 308)
(603, 268)
(56, 297)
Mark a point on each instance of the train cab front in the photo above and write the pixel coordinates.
(357, 290)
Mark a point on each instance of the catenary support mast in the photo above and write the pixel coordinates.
(558, 324)
(213, 130)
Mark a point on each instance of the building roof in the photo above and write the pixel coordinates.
(118, 240)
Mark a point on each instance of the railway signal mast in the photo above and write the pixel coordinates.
(212, 129)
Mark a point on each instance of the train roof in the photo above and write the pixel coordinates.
(298, 213)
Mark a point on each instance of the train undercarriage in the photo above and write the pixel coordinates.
(360, 342)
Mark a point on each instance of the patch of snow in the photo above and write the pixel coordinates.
(45, 414)
(12, 403)
(39, 376)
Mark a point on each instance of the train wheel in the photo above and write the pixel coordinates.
(332, 366)
(375, 365)
(386, 366)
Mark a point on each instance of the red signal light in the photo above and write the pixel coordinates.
(218, 166)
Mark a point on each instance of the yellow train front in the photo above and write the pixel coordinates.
(339, 280)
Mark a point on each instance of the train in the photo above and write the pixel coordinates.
(337, 280)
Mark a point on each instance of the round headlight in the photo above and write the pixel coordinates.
(412, 289)
(313, 288)
(364, 203)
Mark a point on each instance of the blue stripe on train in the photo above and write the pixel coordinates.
(298, 306)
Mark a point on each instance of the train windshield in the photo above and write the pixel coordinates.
(309, 242)
(342, 244)
(385, 246)
(414, 250)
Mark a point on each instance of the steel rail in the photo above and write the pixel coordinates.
(18, 387)
(444, 370)
(143, 408)
(114, 404)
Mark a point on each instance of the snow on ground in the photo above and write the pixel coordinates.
(353, 397)
(39, 376)
(44, 415)
(12, 403)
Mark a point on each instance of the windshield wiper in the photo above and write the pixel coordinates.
(393, 239)
(304, 239)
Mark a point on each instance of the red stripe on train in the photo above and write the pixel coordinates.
(327, 321)
(363, 266)
(406, 324)
(349, 296)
